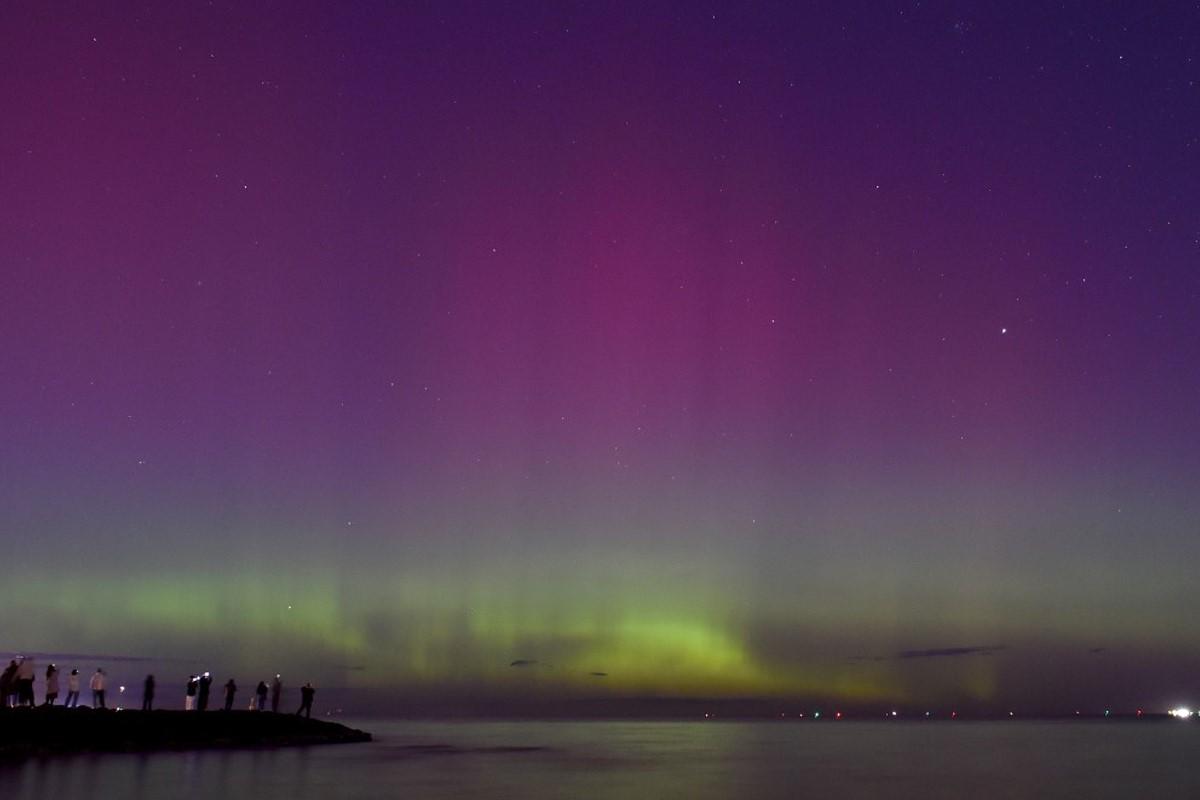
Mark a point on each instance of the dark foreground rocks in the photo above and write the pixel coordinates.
(48, 731)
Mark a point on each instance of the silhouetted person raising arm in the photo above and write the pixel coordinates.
(276, 691)
(202, 697)
(306, 699)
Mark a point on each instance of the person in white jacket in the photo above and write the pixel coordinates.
(72, 690)
(97, 685)
(25, 681)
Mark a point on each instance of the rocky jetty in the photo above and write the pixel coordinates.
(48, 731)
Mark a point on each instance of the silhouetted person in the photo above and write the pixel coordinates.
(261, 694)
(189, 698)
(8, 684)
(51, 685)
(72, 690)
(202, 692)
(25, 682)
(230, 691)
(306, 697)
(276, 692)
(148, 694)
(97, 685)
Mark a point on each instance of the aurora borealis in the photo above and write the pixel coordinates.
(843, 352)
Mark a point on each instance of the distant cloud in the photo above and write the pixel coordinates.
(1096, 650)
(524, 662)
(598, 674)
(867, 658)
(946, 652)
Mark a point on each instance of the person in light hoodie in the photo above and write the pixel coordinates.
(25, 681)
(97, 685)
(189, 698)
(72, 690)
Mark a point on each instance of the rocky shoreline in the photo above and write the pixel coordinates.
(28, 732)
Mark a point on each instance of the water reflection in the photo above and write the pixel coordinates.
(661, 760)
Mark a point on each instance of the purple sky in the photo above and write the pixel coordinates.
(727, 351)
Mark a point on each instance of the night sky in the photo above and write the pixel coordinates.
(838, 352)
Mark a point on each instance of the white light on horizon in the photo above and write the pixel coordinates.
(1180, 713)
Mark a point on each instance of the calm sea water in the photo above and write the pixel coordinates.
(659, 760)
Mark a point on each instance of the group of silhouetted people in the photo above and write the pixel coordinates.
(16, 685)
(16, 689)
(199, 688)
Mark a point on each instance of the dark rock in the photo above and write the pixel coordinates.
(46, 731)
